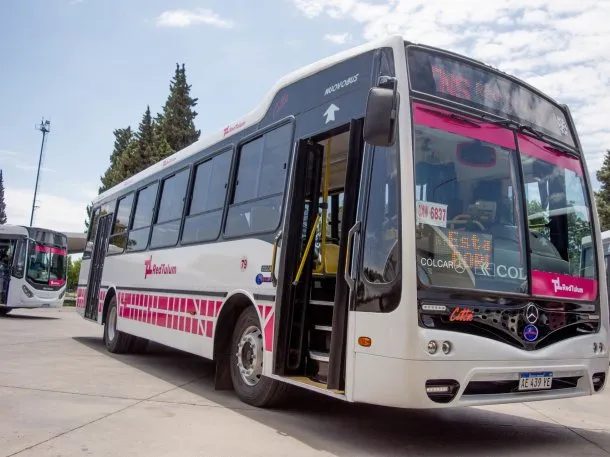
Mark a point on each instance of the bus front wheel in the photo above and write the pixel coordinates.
(4, 311)
(247, 353)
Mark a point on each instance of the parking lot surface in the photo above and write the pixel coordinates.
(62, 394)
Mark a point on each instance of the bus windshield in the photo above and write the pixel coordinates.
(471, 224)
(47, 264)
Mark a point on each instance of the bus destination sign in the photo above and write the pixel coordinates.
(460, 81)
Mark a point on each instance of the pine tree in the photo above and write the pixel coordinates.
(140, 153)
(602, 197)
(88, 219)
(177, 119)
(2, 202)
(122, 139)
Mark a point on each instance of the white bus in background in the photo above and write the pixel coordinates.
(33, 268)
(588, 256)
(364, 234)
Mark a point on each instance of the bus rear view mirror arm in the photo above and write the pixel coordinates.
(380, 118)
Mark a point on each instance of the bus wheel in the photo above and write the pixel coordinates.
(116, 342)
(4, 311)
(247, 364)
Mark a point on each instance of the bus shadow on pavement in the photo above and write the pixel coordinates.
(345, 429)
(26, 317)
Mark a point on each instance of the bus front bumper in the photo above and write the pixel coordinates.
(441, 384)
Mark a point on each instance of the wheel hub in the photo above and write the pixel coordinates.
(111, 323)
(250, 355)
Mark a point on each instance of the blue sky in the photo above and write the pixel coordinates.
(90, 66)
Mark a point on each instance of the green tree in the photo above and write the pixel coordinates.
(88, 218)
(177, 120)
(73, 273)
(122, 139)
(2, 202)
(602, 197)
(139, 154)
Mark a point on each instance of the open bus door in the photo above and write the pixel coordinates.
(100, 245)
(313, 288)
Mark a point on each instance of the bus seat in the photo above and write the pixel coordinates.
(331, 260)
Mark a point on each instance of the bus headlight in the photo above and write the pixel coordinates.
(432, 347)
(27, 291)
(446, 347)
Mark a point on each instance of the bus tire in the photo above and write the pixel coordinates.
(116, 342)
(247, 354)
(5, 311)
(139, 345)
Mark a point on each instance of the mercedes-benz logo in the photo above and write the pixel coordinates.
(531, 313)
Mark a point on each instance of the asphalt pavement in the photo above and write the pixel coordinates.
(62, 394)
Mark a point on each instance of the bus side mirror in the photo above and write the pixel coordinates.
(380, 118)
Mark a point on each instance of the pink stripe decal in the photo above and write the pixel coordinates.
(151, 309)
(51, 250)
(536, 148)
(489, 133)
(269, 333)
(564, 286)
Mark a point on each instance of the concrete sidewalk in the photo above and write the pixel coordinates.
(62, 394)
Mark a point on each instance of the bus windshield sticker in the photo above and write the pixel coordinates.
(431, 213)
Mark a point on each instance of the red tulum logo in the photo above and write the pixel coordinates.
(154, 269)
(559, 286)
(233, 127)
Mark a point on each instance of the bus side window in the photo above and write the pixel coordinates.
(118, 239)
(95, 216)
(204, 215)
(381, 239)
(259, 188)
(142, 219)
(171, 204)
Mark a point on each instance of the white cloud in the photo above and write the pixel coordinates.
(26, 167)
(187, 18)
(558, 46)
(53, 212)
(7, 153)
(340, 38)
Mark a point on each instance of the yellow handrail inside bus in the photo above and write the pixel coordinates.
(306, 253)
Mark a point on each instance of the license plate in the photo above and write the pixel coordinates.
(535, 381)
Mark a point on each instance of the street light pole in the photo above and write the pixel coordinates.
(44, 127)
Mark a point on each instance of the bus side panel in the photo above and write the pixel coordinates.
(174, 296)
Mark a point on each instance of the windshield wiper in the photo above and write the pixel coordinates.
(538, 134)
(453, 116)
(509, 123)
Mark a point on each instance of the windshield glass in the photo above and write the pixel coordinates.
(558, 215)
(470, 222)
(47, 264)
(469, 233)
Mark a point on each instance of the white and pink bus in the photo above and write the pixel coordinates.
(395, 224)
(33, 268)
